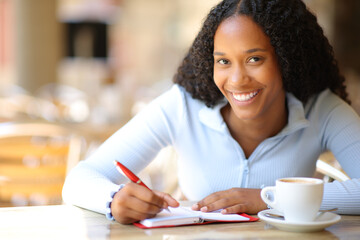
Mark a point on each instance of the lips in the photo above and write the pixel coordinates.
(244, 97)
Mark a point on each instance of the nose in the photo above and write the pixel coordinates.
(239, 75)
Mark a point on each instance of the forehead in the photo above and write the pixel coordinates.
(243, 30)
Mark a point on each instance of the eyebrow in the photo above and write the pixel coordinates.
(255, 50)
(252, 50)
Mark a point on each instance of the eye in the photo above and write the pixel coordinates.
(223, 61)
(254, 59)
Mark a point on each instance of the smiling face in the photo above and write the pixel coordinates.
(246, 70)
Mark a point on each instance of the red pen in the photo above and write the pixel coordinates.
(130, 175)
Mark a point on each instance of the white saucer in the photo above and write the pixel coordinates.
(324, 220)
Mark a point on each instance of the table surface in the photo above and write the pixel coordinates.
(69, 222)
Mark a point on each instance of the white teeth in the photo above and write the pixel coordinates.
(245, 97)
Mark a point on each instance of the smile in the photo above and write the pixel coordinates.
(243, 97)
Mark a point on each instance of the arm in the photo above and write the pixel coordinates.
(341, 135)
(90, 183)
(343, 195)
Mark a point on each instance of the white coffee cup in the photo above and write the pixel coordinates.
(299, 199)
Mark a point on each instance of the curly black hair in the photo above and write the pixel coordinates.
(305, 56)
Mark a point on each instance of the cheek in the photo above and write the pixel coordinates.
(271, 76)
(275, 72)
(218, 79)
(219, 82)
(276, 78)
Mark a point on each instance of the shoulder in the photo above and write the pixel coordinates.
(175, 104)
(326, 102)
(178, 97)
(327, 106)
(169, 99)
(173, 94)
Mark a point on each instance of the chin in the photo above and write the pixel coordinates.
(246, 116)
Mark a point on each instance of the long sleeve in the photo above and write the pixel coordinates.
(91, 182)
(342, 195)
(340, 132)
(87, 188)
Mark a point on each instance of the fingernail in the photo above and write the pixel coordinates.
(195, 206)
(204, 209)
(223, 211)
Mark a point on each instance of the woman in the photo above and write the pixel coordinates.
(258, 97)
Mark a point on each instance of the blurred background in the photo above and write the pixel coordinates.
(91, 61)
(89, 65)
(96, 61)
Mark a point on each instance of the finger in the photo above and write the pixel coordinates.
(137, 205)
(209, 200)
(143, 194)
(128, 216)
(216, 205)
(238, 208)
(200, 204)
(168, 199)
(128, 209)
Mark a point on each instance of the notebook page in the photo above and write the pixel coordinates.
(176, 216)
(218, 216)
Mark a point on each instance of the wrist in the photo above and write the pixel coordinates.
(108, 212)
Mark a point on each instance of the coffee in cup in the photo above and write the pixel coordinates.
(299, 199)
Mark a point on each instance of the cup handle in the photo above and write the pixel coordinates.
(265, 196)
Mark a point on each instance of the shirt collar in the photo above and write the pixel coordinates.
(296, 119)
(212, 117)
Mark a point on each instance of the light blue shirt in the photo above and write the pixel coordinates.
(211, 160)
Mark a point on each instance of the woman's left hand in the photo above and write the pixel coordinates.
(234, 200)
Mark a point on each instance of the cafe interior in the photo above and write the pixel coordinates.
(72, 72)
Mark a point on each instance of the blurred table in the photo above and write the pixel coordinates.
(69, 222)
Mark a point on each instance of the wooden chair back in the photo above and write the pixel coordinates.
(329, 168)
(34, 160)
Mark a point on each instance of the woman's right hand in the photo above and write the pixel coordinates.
(134, 203)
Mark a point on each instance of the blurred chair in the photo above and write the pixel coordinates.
(52, 102)
(71, 104)
(328, 166)
(20, 106)
(34, 160)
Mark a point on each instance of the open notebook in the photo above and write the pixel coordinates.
(185, 216)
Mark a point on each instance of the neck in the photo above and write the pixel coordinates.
(250, 133)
